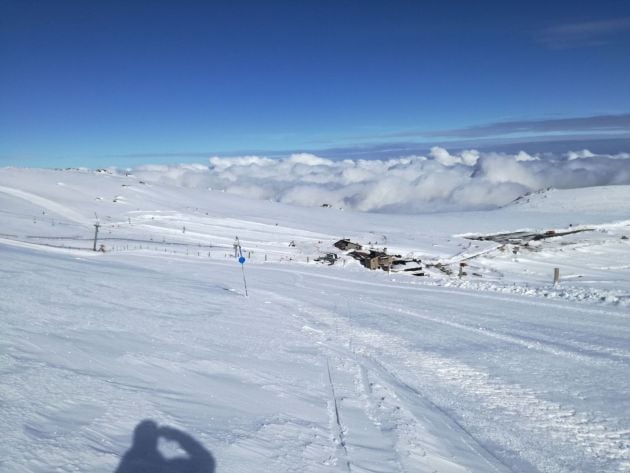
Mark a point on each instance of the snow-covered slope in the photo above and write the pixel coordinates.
(609, 200)
(322, 368)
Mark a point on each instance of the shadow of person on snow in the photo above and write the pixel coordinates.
(144, 456)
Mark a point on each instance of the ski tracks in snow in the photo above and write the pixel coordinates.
(531, 432)
(504, 422)
(379, 423)
(48, 204)
(383, 425)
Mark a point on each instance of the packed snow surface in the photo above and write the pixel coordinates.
(320, 368)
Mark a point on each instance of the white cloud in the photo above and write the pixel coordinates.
(467, 157)
(444, 157)
(223, 163)
(440, 181)
(498, 169)
(470, 157)
(309, 160)
(523, 156)
(571, 155)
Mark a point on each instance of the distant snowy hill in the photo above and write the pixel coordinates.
(612, 201)
(476, 362)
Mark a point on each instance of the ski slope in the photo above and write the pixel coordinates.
(322, 368)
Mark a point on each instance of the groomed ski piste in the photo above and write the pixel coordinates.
(322, 368)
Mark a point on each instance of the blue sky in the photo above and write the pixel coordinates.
(125, 82)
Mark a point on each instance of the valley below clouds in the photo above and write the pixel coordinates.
(439, 181)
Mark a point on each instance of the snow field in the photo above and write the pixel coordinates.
(321, 369)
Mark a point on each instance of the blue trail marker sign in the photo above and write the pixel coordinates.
(241, 259)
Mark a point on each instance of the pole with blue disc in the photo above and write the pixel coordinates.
(241, 259)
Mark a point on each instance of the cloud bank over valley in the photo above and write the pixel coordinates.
(439, 181)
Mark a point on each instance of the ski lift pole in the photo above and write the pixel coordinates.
(96, 227)
(241, 259)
